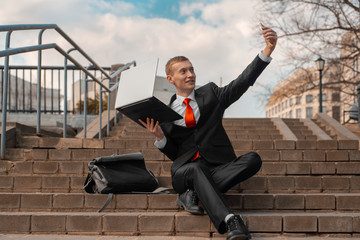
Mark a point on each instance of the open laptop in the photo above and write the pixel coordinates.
(135, 97)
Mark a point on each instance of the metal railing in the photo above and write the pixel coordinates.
(22, 89)
(89, 76)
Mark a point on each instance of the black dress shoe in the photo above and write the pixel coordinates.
(190, 202)
(237, 229)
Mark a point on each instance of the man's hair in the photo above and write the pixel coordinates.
(172, 61)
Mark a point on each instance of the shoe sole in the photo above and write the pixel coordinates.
(181, 204)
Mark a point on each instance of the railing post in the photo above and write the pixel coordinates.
(85, 105)
(39, 84)
(100, 113)
(4, 107)
(65, 93)
(108, 113)
(65, 98)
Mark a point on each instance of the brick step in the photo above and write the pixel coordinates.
(256, 236)
(83, 202)
(118, 131)
(139, 142)
(174, 223)
(162, 167)
(299, 129)
(253, 126)
(53, 184)
(264, 149)
(258, 184)
(231, 137)
(114, 144)
(260, 131)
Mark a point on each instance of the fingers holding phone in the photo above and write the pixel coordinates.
(270, 36)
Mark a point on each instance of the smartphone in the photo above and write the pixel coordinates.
(262, 25)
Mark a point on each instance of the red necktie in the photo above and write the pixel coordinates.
(190, 121)
(189, 114)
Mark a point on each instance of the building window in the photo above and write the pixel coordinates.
(298, 100)
(335, 97)
(309, 112)
(290, 102)
(324, 97)
(290, 114)
(282, 106)
(309, 98)
(286, 103)
(298, 113)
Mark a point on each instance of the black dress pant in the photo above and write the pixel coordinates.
(210, 181)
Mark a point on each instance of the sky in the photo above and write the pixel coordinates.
(218, 36)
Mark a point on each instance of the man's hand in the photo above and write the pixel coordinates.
(270, 37)
(153, 127)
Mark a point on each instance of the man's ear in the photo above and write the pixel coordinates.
(170, 79)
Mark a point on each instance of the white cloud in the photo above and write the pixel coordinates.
(218, 43)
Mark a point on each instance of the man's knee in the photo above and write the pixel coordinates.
(196, 167)
(254, 161)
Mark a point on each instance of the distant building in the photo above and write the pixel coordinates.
(295, 97)
(22, 96)
(298, 95)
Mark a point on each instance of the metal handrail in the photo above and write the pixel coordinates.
(40, 47)
(20, 27)
(15, 51)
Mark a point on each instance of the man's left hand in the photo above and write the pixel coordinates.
(270, 37)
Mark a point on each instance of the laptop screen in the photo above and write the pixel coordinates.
(136, 84)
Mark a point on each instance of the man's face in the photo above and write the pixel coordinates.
(183, 77)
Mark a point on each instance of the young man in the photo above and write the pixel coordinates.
(204, 162)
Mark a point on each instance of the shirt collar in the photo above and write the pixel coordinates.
(180, 99)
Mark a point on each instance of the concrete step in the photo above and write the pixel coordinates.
(161, 167)
(175, 223)
(83, 202)
(256, 236)
(257, 133)
(258, 184)
(300, 130)
(125, 145)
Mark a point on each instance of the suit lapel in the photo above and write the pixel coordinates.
(200, 101)
(172, 99)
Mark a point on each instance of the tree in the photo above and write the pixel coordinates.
(93, 105)
(309, 28)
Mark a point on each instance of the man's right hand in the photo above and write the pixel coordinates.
(153, 127)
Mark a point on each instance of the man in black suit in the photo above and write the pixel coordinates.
(204, 162)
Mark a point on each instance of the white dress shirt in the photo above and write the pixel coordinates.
(178, 106)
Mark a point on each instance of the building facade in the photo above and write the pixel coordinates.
(298, 95)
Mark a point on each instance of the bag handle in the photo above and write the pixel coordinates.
(108, 200)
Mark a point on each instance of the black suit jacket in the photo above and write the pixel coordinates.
(209, 136)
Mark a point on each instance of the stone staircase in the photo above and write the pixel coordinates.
(306, 187)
